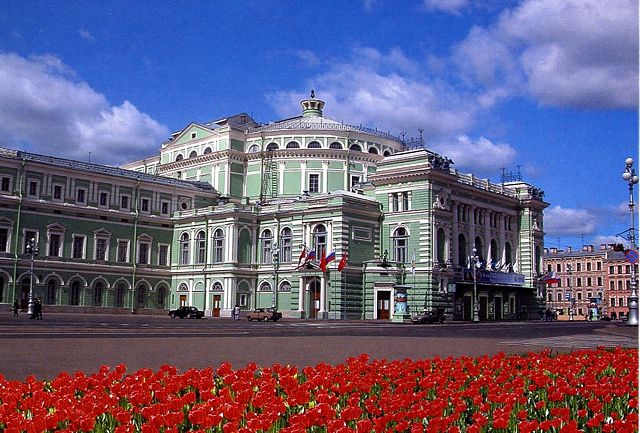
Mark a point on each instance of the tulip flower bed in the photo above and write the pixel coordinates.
(589, 391)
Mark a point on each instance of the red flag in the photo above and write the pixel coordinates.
(343, 262)
(303, 253)
(323, 263)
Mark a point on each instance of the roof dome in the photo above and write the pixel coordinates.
(312, 106)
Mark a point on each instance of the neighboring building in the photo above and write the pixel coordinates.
(230, 209)
(591, 282)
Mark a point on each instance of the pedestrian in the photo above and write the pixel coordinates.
(16, 307)
(236, 312)
(548, 315)
(38, 309)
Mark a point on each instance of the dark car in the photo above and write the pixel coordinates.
(186, 313)
(428, 317)
(264, 314)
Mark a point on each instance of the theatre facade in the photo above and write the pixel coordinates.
(315, 217)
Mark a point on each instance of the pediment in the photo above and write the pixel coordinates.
(102, 232)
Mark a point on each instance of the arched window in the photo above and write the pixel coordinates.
(286, 242)
(120, 292)
(293, 145)
(207, 150)
(217, 287)
(162, 295)
(141, 295)
(218, 246)
(193, 154)
(479, 248)
(314, 145)
(266, 242)
(335, 145)
(373, 150)
(355, 148)
(179, 157)
(462, 250)
(272, 146)
(52, 289)
(508, 255)
(400, 244)
(320, 241)
(265, 286)
(201, 246)
(97, 294)
(254, 148)
(495, 258)
(184, 249)
(441, 247)
(74, 295)
(284, 286)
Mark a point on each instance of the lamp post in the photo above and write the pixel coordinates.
(32, 251)
(476, 306)
(570, 271)
(631, 178)
(275, 259)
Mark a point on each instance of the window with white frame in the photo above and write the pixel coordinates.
(164, 208)
(286, 243)
(101, 248)
(163, 255)
(201, 245)
(55, 244)
(184, 249)
(320, 241)
(123, 251)
(103, 199)
(143, 252)
(28, 235)
(57, 192)
(405, 201)
(33, 188)
(400, 244)
(265, 287)
(314, 182)
(124, 202)
(266, 242)
(78, 248)
(218, 246)
(4, 239)
(144, 205)
(81, 195)
(5, 184)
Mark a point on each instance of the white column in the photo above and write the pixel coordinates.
(207, 304)
(325, 176)
(227, 179)
(190, 291)
(280, 178)
(323, 294)
(303, 175)
(301, 294)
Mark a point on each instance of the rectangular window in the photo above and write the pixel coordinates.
(405, 201)
(589, 281)
(619, 269)
(57, 192)
(354, 181)
(243, 300)
(579, 267)
(54, 244)
(163, 255)
(164, 208)
(613, 302)
(103, 199)
(314, 183)
(611, 269)
(101, 248)
(33, 188)
(558, 267)
(4, 240)
(588, 266)
(396, 203)
(78, 247)
(143, 253)
(579, 296)
(80, 196)
(28, 235)
(6, 184)
(123, 251)
(124, 202)
(599, 281)
(598, 266)
(145, 205)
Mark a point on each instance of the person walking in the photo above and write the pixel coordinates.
(16, 307)
(236, 312)
(38, 309)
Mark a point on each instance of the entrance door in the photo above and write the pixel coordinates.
(383, 305)
(183, 300)
(314, 299)
(24, 294)
(484, 302)
(467, 307)
(498, 309)
(216, 305)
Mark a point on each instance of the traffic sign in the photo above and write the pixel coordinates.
(631, 256)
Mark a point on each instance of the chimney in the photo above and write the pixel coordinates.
(585, 248)
(603, 247)
(569, 249)
(591, 248)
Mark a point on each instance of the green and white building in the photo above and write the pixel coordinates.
(229, 211)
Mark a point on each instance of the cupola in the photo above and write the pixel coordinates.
(312, 106)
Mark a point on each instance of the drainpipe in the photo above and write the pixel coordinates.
(135, 237)
(17, 228)
(364, 289)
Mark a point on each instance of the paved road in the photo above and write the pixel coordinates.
(70, 342)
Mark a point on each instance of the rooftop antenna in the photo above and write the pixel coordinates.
(402, 134)
(89, 157)
(503, 170)
(421, 130)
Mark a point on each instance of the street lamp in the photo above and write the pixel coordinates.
(476, 306)
(570, 271)
(32, 250)
(631, 178)
(276, 262)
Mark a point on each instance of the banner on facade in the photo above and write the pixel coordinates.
(494, 277)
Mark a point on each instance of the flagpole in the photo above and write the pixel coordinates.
(333, 287)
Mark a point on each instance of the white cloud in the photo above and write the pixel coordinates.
(481, 156)
(86, 34)
(45, 108)
(452, 7)
(559, 221)
(571, 53)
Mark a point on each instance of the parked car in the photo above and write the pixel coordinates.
(428, 317)
(186, 312)
(264, 314)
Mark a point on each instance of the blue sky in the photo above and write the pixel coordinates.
(547, 87)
